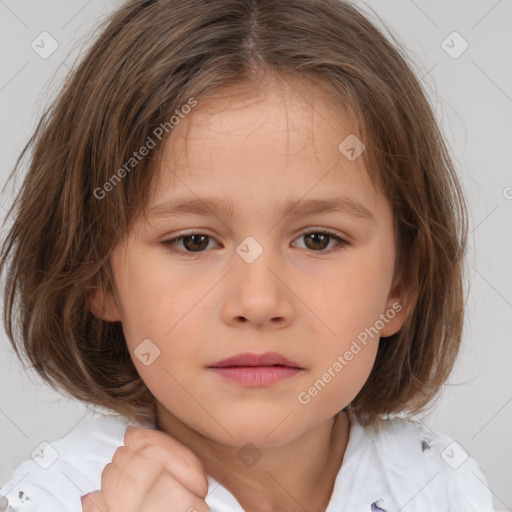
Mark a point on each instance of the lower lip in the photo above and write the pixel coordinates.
(256, 376)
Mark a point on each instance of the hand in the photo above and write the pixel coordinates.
(152, 473)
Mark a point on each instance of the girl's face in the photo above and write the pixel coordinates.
(251, 280)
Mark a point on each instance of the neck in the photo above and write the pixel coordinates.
(296, 476)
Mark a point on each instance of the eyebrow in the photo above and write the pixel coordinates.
(206, 206)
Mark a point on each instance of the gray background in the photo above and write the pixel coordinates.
(472, 96)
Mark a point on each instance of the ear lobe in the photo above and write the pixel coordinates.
(103, 305)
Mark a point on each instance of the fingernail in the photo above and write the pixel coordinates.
(84, 497)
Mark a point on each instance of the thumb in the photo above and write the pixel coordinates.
(93, 502)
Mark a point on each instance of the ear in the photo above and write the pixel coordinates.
(103, 305)
(398, 307)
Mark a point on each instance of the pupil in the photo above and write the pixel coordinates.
(322, 236)
(194, 237)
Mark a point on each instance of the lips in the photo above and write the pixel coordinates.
(251, 359)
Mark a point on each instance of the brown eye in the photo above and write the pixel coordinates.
(197, 243)
(319, 240)
(194, 243)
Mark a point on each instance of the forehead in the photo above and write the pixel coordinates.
(297, 109)
(277, 141)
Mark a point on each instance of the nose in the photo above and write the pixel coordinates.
(259, 293)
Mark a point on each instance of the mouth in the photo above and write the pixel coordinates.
(269, 359)
(256, 370)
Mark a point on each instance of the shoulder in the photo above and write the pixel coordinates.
(418, 468)
(61, 471)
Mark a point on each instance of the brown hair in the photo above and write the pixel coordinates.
(150, 59)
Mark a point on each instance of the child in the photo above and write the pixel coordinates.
(276, 366)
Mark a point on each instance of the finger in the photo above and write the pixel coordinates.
(189, 475)
(179, 460)
(169, 494)
(93, 502)
(137, 438)
(128, 478)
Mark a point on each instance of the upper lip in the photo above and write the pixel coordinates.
(252, 359)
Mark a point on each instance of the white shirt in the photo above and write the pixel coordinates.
(405, 468)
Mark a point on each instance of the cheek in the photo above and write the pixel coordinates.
(159, 297)
(341, 377)
(351, 297)
(346, 337)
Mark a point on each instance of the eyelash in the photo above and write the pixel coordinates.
(172, 241)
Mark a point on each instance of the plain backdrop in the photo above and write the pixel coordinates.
(471, 92)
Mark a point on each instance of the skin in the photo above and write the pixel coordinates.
(309, 305)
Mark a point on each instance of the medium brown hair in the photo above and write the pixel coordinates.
(149, 60)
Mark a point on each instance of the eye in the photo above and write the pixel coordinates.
(317, 240)
(193, 242)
